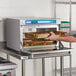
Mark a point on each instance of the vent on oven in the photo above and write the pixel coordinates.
(46, 29)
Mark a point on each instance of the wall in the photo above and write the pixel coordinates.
(4, 8)
(30, 8)
(73, 17)
(17, 8)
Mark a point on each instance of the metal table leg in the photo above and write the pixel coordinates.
(43, 66)
(55, 66)
(23, 67)
(61, 66)
(34, 67)
(8, 57)
(70, 71)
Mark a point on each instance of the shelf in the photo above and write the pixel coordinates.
(65, 2)
(65, 22)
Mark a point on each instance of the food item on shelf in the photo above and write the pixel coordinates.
(39, 35)
(38, 43)
(36, 35)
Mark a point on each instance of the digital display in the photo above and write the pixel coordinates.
(28, 22)
(41, 21)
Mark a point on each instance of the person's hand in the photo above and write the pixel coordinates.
(52, 36)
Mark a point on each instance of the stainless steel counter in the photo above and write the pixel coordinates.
(51, 53)
(16, 54)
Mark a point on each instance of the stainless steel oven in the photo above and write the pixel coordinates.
(17, 27)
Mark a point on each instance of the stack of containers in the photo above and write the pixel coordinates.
(65, 26)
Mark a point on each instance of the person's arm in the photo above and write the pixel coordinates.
(67, 38)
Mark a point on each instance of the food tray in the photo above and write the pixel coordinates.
(38, 43)
(43, 50)
(42, 35)
(42, 47)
